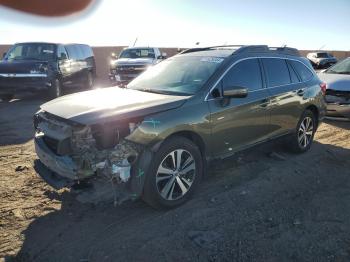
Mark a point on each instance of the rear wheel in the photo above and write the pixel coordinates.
(174, 174)
(55, 90)
(302, 140)
(6, 98)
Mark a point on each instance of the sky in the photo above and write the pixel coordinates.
(313, 24)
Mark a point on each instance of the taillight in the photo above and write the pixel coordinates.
(323, 88)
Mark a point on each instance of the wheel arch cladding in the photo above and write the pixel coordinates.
(190, 135)
(314, 110)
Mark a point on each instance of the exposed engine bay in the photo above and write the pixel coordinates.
(96, 155)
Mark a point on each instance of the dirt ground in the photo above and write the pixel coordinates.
(262, 205)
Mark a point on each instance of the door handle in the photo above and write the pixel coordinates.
(300, 92)
(264, 102)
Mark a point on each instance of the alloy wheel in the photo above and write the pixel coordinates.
(305, 132)
(175, 174)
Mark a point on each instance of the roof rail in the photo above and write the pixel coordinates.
(239, 49)
(285, 50)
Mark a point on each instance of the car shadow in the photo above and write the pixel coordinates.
(16, 119)
(341, 124)
(134, 231)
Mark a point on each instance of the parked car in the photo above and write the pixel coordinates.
(46, 67)
(155, 137)
(131, 62)
(337, 97)
(321, 60)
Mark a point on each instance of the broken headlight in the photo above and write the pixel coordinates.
(108, 136)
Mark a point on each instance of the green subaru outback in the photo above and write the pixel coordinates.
(154, 138)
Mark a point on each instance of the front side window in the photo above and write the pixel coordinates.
(276, 71)
(245, 74)
(304, 73)
(32, 51)
(138, 53)
(61, 53)
(182, 75)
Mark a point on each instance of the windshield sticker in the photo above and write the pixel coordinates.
(48, 51)
(212, 59)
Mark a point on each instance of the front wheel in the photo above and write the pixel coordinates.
(89, 81)
(55, 89)
(174, 174)
(302, 140)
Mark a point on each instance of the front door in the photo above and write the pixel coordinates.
(237, 123)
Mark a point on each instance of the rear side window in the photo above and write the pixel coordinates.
(293, 75)
(245, 74)
(276, 71)
(304, 72)
(87, 51)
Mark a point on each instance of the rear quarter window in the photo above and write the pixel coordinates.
(304, 72)
(277, 72)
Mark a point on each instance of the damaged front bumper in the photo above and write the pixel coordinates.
(338, 111)
(62, 165)
(338, 104)
(69, 155)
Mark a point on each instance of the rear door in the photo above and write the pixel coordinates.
(63, 64)
(75, 67)
(286, 94)
(239, 122)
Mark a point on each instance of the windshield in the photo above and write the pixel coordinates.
(138, 53)
(182, 75)
(32, 51)
(342, 67)
(323, 55)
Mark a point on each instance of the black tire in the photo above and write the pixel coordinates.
(6, 98)
(151, 192)
(301, 140)
(55, 90)
(89, 81)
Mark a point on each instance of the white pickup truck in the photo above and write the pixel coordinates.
(133, 61)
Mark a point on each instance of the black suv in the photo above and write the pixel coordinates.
(154, 138)
(46, 67)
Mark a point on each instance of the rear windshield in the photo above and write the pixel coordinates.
(323, 55)
(32, 51)
(138, 53)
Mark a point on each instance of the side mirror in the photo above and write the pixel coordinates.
(114, 55)
(3, 55)
(235, 92)
(164, 55)
(63, 56)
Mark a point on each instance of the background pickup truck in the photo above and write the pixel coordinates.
(131, 62)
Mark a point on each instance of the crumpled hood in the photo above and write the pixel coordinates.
(336, 81)
(110, 104)
(20, 67)
(135, 61)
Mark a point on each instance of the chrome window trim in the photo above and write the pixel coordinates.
(14, 75)
(254, 57)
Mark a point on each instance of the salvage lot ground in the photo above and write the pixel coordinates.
(262, 205)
